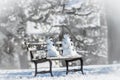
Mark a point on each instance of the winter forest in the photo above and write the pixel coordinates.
(24, 21)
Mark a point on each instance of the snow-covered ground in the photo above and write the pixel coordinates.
(94, 72)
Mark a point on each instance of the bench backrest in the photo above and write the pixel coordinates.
(34, 47)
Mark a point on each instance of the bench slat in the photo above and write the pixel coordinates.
(63, 58)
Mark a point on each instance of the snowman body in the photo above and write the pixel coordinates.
(51, 50)
(68, 47)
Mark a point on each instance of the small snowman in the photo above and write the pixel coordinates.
(68, 47)
(52, 52)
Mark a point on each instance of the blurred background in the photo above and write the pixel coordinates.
(113, 21)
(93, 26)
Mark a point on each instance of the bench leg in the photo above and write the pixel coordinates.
(81, 62)
(50, 67)
(35, 69)
(67, 70)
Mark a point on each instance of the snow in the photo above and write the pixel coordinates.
(31, 28)
(57, 19)
(74, 4)
(93, 72)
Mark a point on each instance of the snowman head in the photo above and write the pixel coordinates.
(67, 37)
(49, 42)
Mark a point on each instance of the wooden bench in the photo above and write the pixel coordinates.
(50, 59)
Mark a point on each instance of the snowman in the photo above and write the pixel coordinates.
(52, 52)
(68, 47)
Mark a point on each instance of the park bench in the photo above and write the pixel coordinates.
(42, 46)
